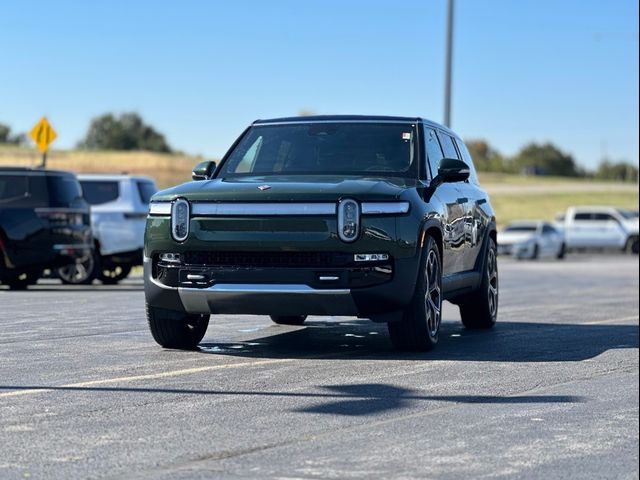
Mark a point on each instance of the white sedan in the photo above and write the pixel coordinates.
(531, 239)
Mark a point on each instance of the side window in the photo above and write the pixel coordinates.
(604, 217)
(448, 148)
(582, 217)
(99, 192)
(434, 152)
(466, 156)
(548, 230)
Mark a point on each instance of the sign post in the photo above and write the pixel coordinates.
(44, 135)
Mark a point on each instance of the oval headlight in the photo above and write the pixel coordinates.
(348, 220)
(180, 220)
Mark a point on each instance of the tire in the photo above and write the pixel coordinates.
(172, 329)
(111, 276)
(536, 252)
(22, 280)
(480, 309)
(81, 273)
(288, 319)
(562, 253)
(419, 327)
(631, 246)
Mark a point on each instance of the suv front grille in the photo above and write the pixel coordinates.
(269, 259)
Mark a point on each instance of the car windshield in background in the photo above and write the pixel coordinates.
(628, 214)
(146, 191)
(99, 192)
(362, 149)
(521, 228)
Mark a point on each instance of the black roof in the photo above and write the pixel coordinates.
(352, 118)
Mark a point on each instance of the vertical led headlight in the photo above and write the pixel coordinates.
(180, 220)
(348, 220)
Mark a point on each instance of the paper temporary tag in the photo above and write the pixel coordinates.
(406, 135)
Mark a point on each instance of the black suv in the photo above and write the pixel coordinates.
(44, 224)
(376, 217)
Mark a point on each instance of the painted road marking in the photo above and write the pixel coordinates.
(151, 376)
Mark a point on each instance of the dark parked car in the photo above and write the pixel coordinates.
(44, 224)
(375, 217)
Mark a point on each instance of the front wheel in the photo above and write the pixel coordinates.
(536, 252)
(288, 319)
(631, 246)
(420, 324)
(173, 329)
(480, 309)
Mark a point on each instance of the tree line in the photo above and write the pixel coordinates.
(546, 160)
(129, 131)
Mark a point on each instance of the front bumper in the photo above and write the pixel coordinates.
(248, 297)
(517, 250)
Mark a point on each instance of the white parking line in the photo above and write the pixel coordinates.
(151, 376)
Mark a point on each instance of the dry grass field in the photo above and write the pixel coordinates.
(166, 169)
(513, 196)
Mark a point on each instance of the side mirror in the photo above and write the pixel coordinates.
(453, 170)
(203, 170)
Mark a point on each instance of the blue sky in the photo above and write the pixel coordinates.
(201, 71)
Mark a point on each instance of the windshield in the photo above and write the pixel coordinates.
(628, 214)
(363, 149)
(520, 228)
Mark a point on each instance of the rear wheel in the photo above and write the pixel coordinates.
(172, 329)
(288, 319)
(420, 324)
(110, 275)
(81, 273)
(22, 280)
(480, 309)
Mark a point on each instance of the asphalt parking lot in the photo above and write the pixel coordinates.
(551, 392)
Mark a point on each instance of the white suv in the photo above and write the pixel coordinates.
(119, 206)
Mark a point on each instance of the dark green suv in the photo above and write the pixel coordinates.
(375, 217)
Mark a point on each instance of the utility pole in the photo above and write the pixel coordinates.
(447, 81)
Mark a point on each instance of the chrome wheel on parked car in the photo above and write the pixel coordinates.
(79, 273)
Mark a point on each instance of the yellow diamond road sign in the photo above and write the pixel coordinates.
(43, 134)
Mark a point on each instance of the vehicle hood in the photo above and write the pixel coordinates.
(287, 189)
(631, 225)
(510, 238)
